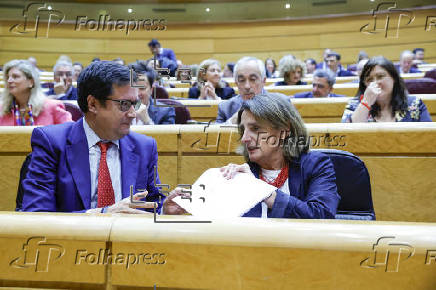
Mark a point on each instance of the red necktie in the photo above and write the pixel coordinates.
(105, 191)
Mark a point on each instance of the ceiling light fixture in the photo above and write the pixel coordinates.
(207, 9)
(288, 6)
(130, 10)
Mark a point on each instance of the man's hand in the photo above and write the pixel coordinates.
(229, 171)
(60, 87)
(142, 114)
(270, 200)
(170, 207)
(125, 206)
(233, 119)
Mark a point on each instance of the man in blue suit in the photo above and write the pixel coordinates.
(63, 87)
(165, 56)
(334, 65)
(250, 77)
(406, 63)
(322, 85)
(90, 165)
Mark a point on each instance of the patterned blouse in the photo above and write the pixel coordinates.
(416, 111)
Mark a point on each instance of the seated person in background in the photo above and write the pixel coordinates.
(34, 62)
(148, 113)
(209, 85)
(310, 65)
(63, 76)
(360, 66)
(165, 56)
(228, 70)
(77, 69)
(250, 78)
(362, 56)
(23, 103)
(292, 70)
(333, 64)
(382, 97)
(419, 56)
(90, 165)
(323, 64)
(305, 180)
(322, 85)
(270, 68)
(406, 63)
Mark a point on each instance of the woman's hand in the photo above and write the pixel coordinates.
(170, 207)
(231, 169)
(371, 93)
(208, 92)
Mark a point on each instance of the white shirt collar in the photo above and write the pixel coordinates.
(93, 138)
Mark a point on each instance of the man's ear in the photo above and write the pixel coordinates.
(92, 103)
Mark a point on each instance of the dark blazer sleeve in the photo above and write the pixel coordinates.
(424, 115)
(321, 199)
(154, 194)
(169, 116)
(221, 117)
(194, 93)
(39, 186)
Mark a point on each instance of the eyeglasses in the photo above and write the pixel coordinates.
(125, 105)
(63, 73)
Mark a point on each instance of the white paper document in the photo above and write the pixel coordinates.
(215, 197)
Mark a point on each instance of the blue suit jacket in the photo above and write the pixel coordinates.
(161, 115)
(168, 60)
(70, 96)
(312, 184)
(344, 73)
(228, 108)
(59, 178)
(411, 71)
(310, 95)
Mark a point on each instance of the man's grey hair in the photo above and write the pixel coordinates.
(279, 113)
(406, 53)
(326, 73)
(289, 63)
(62, 63)
(37, 97)
(247, 59)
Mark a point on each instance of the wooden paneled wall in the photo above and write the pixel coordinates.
(401, 159)
(227, 41)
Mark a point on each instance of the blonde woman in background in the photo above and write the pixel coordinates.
(209, 85)
(23, 103)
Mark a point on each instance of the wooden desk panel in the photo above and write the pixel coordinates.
(315, 110)
(138, 252)
(36, 247)
(291, 253)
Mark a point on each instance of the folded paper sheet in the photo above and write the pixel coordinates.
(214, 197)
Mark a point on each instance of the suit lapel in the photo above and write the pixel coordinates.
(78, 160)
(129, 165)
